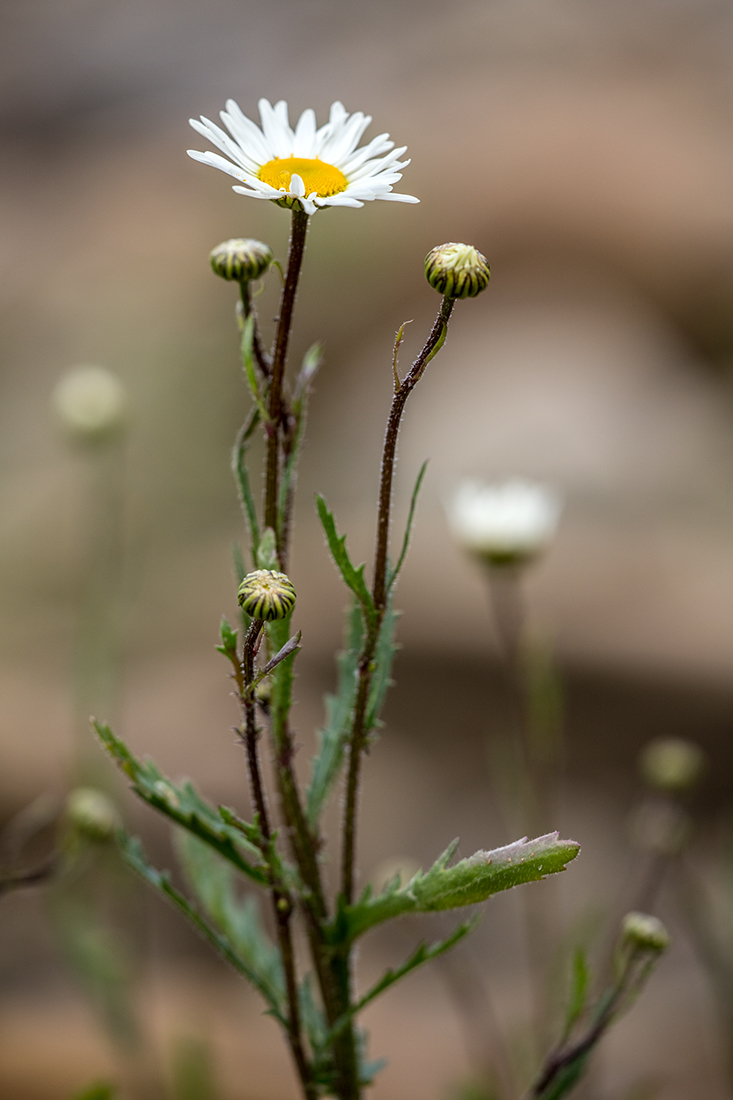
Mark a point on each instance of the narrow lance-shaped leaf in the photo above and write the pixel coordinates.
(249, 367)
(353, 577)
(470, 881)
(383, 658)
(183, 805)
(212, 881)
(134, 856)
(423, 953)
(266, 556)
(408, 526)
(311, 363)
(332, 738)
(578, 991)
(241, 476)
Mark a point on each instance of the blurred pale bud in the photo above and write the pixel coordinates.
(672, 764)
(644, 933)
(661, 828)
(92, 813)
(509, 523)
(263, 693)
(267, 594)
(241, 259)
(390, 870)
(457, 270)
(91, 403)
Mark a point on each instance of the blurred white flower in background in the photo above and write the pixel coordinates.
(508, 523)
(90, 402)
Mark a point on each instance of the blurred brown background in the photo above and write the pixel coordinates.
(585, 147)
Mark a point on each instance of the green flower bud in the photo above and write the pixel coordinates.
(92, 813)
(644, 932)
(241, 259)
(457, 270)
(266, 594)
(672, 764)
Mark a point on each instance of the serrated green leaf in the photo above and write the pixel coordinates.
(408, 527)
(134, 856)
(470, 881)
(353, 577)
(327, 762)
(383, 658)
(267, 550)
(183, 805)
(212, 880)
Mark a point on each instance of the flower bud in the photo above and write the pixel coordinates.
(672, 764)
(241, 259)
(91, 403)
(266, 594)
(92, 813)
(644, 932)
(457, 270)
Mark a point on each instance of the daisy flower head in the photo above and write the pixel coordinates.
(308, 166)
(508, 523)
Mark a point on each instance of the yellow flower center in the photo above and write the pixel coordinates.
(317, 176)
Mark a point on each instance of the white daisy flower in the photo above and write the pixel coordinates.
(508, 523)
(313, 167)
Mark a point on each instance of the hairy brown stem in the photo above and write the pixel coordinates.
(298, 231)
(281, 901)
(379, 591)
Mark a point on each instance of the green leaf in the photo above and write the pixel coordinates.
(182, 804)
(134, 856)
(423, 953)
(241, 476)
(442, 887)
(354, 578)
(266, 554)
(383, 657)
(580, 982)
(212, 880)
(228, 639)
(408, 527)
(249, 366)
(332, 738)
(311, 363)
(278, 633)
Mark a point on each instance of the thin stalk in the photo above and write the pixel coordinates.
(379, 590)
(281, 901)
(261, 356)
(298, 231)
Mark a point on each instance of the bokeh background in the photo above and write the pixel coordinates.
(585, 148)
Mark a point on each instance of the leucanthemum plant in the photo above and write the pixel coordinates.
(277, 849)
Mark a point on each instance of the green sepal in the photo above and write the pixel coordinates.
(332, 737)
(470, 881)
(212, 881)
(353, 577)
(134, 856)
(183, 805)
(266, 553)
(394, 573)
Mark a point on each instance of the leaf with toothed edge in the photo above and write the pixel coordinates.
(353, 577)
(470, 881)
(185, 806)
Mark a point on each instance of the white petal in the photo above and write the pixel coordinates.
(345, 139)
(375, 148)
(305, 135)
(340, 200)
(398, 198)
(247, 133)
(215, 161)
(252, 194)
(222, 141)
(297, 187)
(308, 206)
(276, 129)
